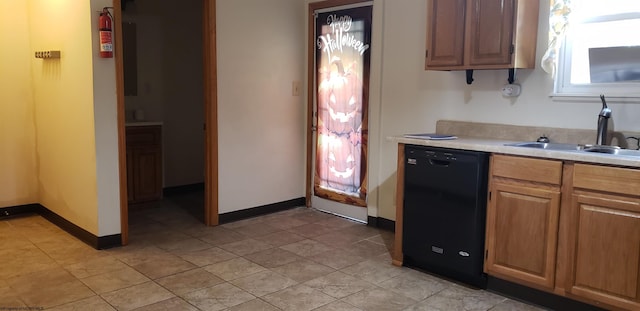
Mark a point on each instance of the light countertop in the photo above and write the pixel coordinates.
(498, 146)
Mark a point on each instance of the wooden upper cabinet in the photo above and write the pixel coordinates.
(481, 34)
(490, 28)
(445, 41)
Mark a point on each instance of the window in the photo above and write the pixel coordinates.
(601, 49)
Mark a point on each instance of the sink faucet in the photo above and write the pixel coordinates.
(603, 120)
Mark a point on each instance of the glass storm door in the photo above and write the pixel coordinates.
(342, 55)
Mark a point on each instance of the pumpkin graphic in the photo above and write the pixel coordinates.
(340, 98)
(337, 160)
(339, 128)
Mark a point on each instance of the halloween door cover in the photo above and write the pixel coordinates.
(342, 80)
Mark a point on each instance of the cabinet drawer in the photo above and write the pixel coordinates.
(143, 135)
(537, 170)
(604, 178)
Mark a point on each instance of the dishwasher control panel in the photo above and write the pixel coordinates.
(413, 156)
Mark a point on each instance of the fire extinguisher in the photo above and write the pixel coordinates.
(106, 39)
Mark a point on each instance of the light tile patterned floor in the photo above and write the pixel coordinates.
(300, 259)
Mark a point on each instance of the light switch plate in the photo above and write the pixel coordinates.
(295, 88)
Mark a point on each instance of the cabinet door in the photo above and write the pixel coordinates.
(445, 33)
(522, 227)
(490, 31)
(147, 176)
(605, 250)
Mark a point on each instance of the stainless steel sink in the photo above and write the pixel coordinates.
(612, 150)
(547, 146)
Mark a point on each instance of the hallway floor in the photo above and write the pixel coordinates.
(299, 259)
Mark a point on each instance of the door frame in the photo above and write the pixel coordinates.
(211, 117)
(311, 45)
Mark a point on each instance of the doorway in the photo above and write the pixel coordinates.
(170, 88)
(339, 62)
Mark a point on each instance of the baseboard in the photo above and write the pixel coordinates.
(109, 241)
(260, 210)
(381, 223)
(183, 189)
(11, 211)
(85, 236)
(530, 295)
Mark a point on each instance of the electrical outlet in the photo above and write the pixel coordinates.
(511, 90)
(295, 88)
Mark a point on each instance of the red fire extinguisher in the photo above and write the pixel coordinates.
(106, 40)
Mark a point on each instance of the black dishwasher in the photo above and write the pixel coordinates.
(445, 199)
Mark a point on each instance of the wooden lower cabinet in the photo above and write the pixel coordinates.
(522, 220)
(604, 240)
(144, 163)
(522, 224)
(147, 181)
(568, 228)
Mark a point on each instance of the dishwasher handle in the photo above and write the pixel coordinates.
(442, 163)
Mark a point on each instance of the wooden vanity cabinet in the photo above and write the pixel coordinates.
(481, 34)
(144, 163)
(522, 220)
(604, 239)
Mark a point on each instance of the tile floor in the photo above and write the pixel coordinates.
(300, 259)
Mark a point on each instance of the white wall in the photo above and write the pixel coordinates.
(261, 125)
(414, 99)
(61, 149)
(18, 170)
(105, 115)
(64, 116)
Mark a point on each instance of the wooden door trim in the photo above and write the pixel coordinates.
(211, 112)
(398, 257)
(311, 44)
(211, 117)
(122, 144)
